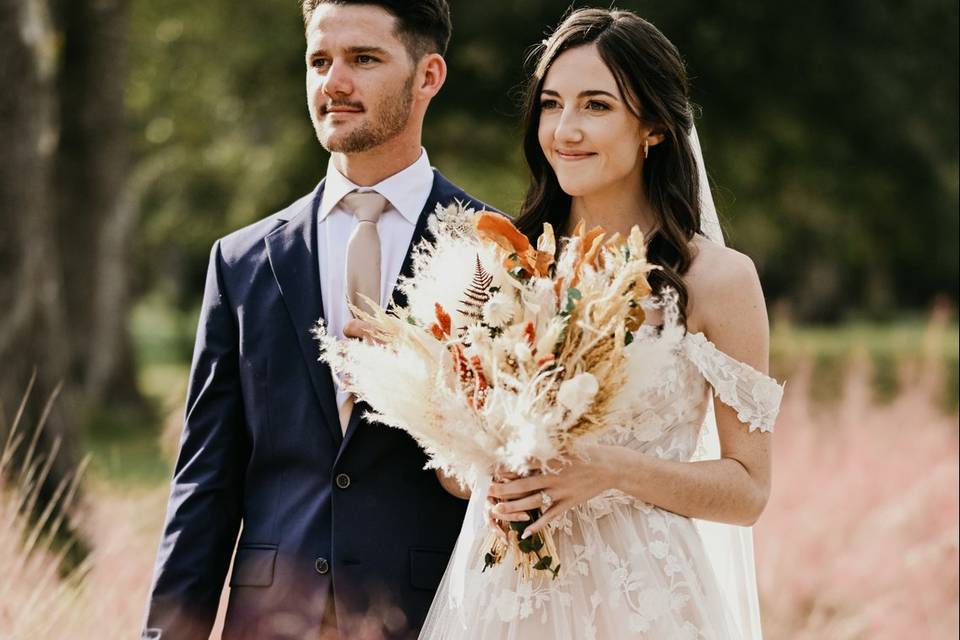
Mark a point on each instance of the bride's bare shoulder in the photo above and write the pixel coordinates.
(722, 283)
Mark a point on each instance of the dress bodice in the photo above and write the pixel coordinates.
(675, 372)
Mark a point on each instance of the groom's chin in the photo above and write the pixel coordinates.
(343, 140)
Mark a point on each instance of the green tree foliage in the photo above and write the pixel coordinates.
(830, 130)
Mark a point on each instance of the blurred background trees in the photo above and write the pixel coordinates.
(830, 130)
(136, 132)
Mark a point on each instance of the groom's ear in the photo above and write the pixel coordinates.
(431, 74)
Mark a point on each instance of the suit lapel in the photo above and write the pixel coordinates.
(293, 255)
(443, 193)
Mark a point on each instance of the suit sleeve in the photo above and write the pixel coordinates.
(204, 511)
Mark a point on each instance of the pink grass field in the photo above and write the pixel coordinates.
(859, 539)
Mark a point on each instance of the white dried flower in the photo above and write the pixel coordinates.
(578, 392)
(476, 334)
(523, 352)
(499, 309)
(548, 338)
(539, 298)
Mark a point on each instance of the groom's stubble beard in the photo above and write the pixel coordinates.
(392, 113)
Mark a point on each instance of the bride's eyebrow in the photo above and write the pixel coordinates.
(589, 93)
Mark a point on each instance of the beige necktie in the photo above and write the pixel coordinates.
(363, 262)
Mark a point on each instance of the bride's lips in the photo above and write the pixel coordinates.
(573, 156)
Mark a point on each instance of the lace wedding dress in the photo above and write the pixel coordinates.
(628, 569)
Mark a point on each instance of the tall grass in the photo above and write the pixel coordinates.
(35, 596)
(859, 539)
(860, 536)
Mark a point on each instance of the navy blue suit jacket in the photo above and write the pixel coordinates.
(262, 450)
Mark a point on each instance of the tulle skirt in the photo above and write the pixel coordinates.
(628, 570)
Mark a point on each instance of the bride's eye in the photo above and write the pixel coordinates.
(548, 104)
(596, 105)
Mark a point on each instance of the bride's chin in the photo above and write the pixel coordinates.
(576, 188)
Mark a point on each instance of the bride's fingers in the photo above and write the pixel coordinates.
(552, 514)
(516, 516)
(493, 524)
(533, 501)
(519, 487)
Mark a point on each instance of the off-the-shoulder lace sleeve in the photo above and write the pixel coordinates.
(755, 396)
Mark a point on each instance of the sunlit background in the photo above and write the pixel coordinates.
(134, 133)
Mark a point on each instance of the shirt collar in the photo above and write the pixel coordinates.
(407, 190)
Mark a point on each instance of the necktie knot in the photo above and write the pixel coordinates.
(366, 206)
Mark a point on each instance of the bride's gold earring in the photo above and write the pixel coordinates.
(646, 149)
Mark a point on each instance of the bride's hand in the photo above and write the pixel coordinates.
(576, 482)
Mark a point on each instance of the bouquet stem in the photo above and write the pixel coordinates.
(533, 554)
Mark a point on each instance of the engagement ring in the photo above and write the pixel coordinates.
(545, 501)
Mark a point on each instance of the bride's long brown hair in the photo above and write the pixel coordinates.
(653, 80)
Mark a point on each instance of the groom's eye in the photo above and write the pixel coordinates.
(365, 59)
(318, 63)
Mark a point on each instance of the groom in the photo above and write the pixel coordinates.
(341, 531)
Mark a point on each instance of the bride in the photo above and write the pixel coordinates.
(610, 141)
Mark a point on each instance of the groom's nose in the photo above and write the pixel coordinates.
(338, 81)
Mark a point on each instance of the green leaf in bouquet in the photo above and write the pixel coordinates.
(489, 560)
(573, 294)
(543, 563)
(532, 544)
(627, 338)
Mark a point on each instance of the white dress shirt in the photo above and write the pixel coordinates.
(406, 192)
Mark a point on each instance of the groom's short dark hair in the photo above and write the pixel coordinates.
(424, 26)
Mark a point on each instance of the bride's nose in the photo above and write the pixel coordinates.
(568, 127)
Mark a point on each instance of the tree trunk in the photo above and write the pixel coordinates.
(91, 177)
(33, 327)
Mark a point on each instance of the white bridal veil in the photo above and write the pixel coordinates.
(729, 547)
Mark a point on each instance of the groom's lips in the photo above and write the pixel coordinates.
(339, 111)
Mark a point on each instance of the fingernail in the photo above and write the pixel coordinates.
(526, 534)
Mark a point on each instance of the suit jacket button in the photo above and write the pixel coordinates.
(343, 480)
(321, 565)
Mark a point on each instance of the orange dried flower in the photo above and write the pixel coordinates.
(441, 328)
(470, 374)
(530, 333)
(546, 359)
(591, 255)
(497, 229)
